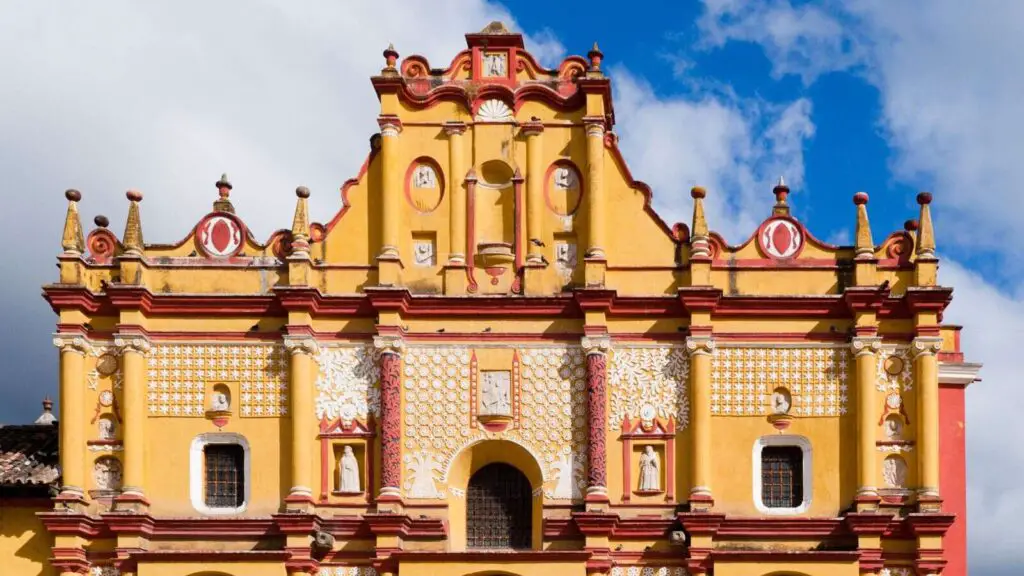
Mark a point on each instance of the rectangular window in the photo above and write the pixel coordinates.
(782, 475)
(225, 475)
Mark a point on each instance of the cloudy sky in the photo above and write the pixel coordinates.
(889, 97)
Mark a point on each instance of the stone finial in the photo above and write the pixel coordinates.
(781, 191)
(699, 246)
(47, 416)
(300, 224)
(390, 59)
(133, 245)
(595, 55)
(73, 240)
(223, 201)
(865, 247)
(101, 221)
(925, 233)
(495, 28)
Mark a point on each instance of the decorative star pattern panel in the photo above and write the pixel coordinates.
(179, 374)
(652, 377)
(437, 420)
(743, 378)
(348, 385)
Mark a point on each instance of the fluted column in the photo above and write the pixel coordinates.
(389, 349)
(456, 193)
(134, 348)
(595, 187)
(596, 349)
(302, 351)
(534, 190)
(72, 414)
(391, 184)
(866, 350)
(926, 383)
(700, 349)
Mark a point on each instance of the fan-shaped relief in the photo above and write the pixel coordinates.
(494, 110)
(648, 383)
(348, 384)
(424, 185)
(438, 417)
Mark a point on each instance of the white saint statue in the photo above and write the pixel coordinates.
(220, 402)
(349, 481)
(893, 428)
(424, 177)
(650, 471)
(780, 402)
(106, 426)
(565, 178)
(894, 471)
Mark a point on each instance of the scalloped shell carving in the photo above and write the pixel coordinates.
(494, 110)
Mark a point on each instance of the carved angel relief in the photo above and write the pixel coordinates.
(495, 393)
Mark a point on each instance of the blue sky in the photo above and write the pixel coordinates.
(885, 96)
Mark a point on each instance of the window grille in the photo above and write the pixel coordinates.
(499, 510)
(225, 475)
(782, 474)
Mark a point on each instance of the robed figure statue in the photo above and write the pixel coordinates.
(349, 471)
(650, 471)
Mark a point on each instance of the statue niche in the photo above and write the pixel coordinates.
(493, 199)
(349, 478)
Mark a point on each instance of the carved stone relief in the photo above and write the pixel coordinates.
(347, 571)
(437, 415)
(495, 393)
(106, 427)
(347, 386)
(494, 110)
(179, 374)
(348, 472)
(650, 471)
(106, 473)
(645, 380)
(743, 380)
(781, 401)
(424, 253)
(424, 177)
(495, 65)
(648, 571)
(894, 472)
(565, 259)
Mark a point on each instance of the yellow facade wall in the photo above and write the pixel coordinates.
(24, 542)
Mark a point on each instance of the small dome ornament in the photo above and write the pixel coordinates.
(781, 191)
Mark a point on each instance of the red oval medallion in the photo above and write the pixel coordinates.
(221, 235)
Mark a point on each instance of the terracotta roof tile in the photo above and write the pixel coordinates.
(28, 455)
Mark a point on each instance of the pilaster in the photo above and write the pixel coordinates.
(73, 348)
(596, 348)
(134, 348)
(595, 257)
(388, 259)
(865, 350)
(700, 349)
(389, 352)
(456, 193)
(303, 350)
(926, 383)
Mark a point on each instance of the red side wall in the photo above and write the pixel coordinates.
(953, 476)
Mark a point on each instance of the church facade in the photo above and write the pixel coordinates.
(496, 358)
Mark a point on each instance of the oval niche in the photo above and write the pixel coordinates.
(424, 185)
(563, 188)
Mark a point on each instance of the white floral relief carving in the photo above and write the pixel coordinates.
(179, 375)
(896, 571)
(347, 571)
(894, 370)
(652, 377)
(743, 380)
(648, 571)
(436, 395)
(106, 570)
(348, 383)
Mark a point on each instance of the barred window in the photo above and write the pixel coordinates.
(499, 509)
(782, 475)
(225, 475)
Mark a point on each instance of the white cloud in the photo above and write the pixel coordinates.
(735, 148)
(948, 75)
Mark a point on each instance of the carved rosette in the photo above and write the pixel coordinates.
(597, 392)
(389, 348)
(74, 344)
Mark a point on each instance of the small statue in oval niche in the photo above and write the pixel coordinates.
(893, 427)
(106, 428)
(565, 178)
(424, 177)
(348, 472)
(781, 401)
(650, 471)
(219, 401)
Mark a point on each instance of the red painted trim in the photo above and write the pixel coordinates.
(953, 474)
(472, 286)
(517, 209)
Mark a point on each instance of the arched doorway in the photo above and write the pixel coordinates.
(499, 511)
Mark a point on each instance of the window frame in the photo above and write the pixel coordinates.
(197, 471)
(783, 440)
